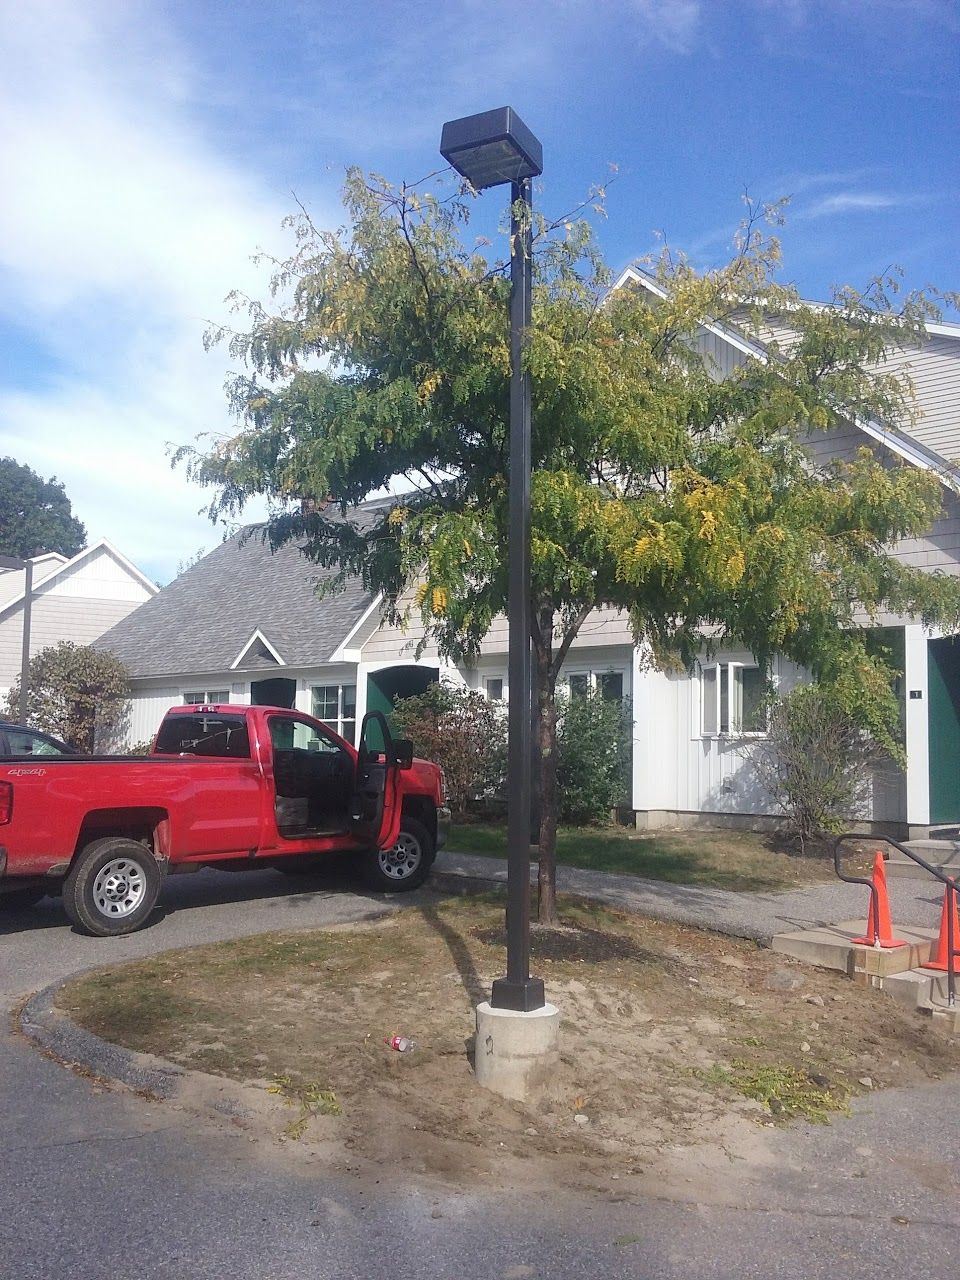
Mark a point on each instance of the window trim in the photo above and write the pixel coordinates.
(593, 674)
(202, 698)
(336, 726)
(488, 681)
(729, 667)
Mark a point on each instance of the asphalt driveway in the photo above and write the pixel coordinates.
(105, 1184)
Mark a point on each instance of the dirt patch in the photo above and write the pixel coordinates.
(678, 1046)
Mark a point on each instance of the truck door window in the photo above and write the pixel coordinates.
(288, 734)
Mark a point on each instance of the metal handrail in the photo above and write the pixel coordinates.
(949, 881)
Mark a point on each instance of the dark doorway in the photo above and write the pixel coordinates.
(943, 728)
(275, 692)
(386, 686)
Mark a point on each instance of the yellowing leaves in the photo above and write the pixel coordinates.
(708, 525)
(437, 596)
(653, 551)
(736, 566)
(428, 386)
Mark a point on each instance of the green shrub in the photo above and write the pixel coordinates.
(463, 733)
(77, 693)
(593, 756)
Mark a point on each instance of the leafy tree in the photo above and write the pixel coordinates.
(77, 693)
(35, 514)
(464, 733)
(687, 501)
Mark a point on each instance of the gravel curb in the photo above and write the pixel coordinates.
(55, 1033)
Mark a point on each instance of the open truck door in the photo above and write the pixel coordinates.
(375, 810)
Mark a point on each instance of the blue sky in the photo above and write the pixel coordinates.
(149, 147)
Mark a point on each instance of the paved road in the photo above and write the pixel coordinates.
(103, 1184)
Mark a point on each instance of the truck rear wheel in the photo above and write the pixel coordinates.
(112, 887)
(406, 865)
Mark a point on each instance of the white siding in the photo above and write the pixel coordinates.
(98, 577)
(934, 370)
(721, 357)
(147, 707)
(54, 619)
(940, 549)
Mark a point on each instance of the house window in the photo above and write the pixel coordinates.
(732, 699)
(609, 684)
(205, 697)
(494, 689)
(336, 706)
(579, 685)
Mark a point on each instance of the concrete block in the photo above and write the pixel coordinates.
(832, 947)
(948, 1018)
(517, 1054)
(911, 988)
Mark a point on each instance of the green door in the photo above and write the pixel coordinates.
(388, 684)
(943, 727)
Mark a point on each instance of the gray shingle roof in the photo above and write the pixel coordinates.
(204, 618)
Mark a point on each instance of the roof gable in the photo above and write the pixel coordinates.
(913, 447)
(242, 605)
(56, 570)
(257, 652)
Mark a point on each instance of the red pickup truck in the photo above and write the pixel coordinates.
(224, 786)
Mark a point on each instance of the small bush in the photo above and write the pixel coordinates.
(463, 733)
(77, 693)
(593, 757)
(817, 763)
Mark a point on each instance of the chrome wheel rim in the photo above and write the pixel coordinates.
(119, 888)
(400, 862)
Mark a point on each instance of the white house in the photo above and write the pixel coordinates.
(77, 599)
(245, 625)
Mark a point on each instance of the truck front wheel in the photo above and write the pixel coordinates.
(406, 865)
(112, 887)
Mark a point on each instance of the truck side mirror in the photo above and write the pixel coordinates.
(403, 753)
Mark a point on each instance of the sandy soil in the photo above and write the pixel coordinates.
(665, 1034)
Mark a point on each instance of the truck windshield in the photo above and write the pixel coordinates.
(204, 735)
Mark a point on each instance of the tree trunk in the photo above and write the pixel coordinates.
(545, 729)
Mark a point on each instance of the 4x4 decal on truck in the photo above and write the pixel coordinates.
(26, 773)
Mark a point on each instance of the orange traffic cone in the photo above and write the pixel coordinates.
(942, 959)
(880, 933)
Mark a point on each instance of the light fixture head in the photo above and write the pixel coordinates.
(491, 148)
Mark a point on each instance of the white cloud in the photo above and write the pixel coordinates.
(672, 23)
(857, 202)
(121, 231)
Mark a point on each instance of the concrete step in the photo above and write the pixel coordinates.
(942, 854)
(926, 990)
(833, 947)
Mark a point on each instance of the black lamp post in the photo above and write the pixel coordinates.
(490, 149)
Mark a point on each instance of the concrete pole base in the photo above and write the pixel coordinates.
(517, 1053)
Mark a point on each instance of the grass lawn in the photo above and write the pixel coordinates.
(741, 860)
